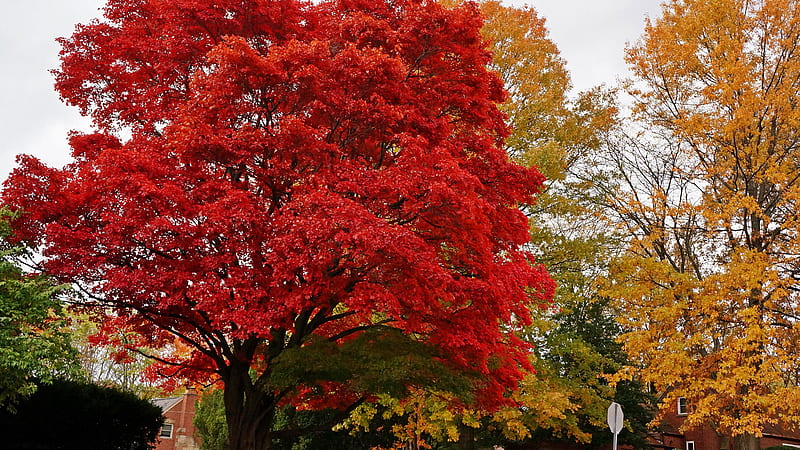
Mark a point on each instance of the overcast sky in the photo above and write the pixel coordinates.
(590, 33)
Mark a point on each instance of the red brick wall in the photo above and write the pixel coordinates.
(181, 416)
(706, 439)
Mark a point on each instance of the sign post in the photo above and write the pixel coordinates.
(615, 418)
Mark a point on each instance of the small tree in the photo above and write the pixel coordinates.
(33, 345)
(209, 419)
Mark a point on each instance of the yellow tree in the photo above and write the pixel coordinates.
(710, 284)
(560, 133)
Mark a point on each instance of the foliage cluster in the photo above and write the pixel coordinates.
(709, 201)
(33, 344)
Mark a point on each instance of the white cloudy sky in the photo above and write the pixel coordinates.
(590, 33)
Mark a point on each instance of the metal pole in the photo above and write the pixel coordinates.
(615, 420)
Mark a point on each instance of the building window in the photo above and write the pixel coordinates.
(166, 431)
(689, 445)
(683, 406)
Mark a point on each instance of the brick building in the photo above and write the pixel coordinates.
(669, 437)
(178, 432)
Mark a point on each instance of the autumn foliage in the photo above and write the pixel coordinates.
(294, 171)
(709, 286)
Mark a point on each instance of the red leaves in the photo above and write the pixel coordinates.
(291, 162)
(133, 69)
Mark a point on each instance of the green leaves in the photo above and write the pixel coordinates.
(33, 345)
(379, 360)
(210, 420)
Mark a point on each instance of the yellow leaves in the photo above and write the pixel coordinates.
(719, 74)
(544, 403)
(737, 204)
(720, 79)
(549, 158)
(513, 425)
(647, 284)
(709, 340)
(429, 415)
(548, 129)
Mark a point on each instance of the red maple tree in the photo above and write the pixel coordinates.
(296, 172)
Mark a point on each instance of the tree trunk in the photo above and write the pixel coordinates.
(249, 412)
(747, 442)
(466, 437)
(724, 441)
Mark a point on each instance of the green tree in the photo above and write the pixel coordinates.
(563, 134)
(33, 345)
(209, 419)
(579, 352)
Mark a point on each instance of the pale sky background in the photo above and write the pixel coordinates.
(591, 35)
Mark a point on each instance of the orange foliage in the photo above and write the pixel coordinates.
(710, 285)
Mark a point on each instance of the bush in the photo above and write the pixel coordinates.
(68, 415)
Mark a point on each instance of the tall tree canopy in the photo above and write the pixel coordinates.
(711, 282)
(297, 173)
